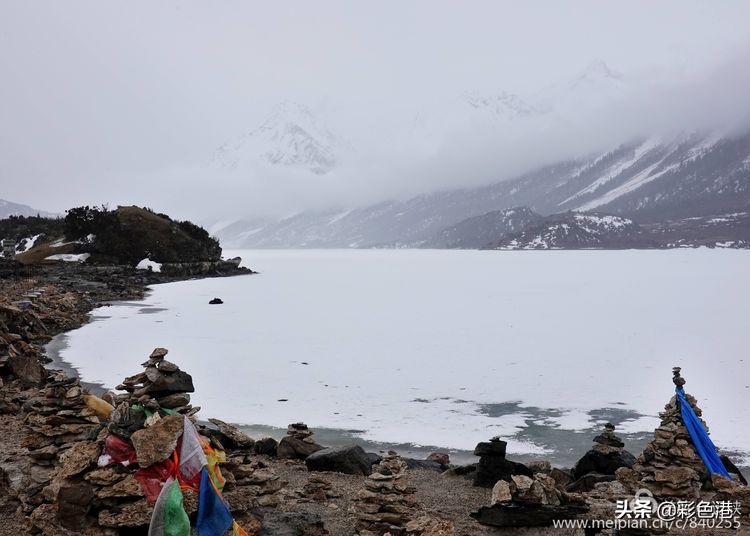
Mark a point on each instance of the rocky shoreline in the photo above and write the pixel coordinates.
(75, 463)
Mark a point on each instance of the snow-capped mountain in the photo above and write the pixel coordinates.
(646, 180)
(502, 106)
(8, 208)
(597, 85)
(292, 136)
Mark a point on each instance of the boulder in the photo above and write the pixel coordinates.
(440, 457)
(603, 461)
(427, 465)
(78, 458)
(28, 369)
(266, 446)
(169, 382)
(351, 460)
(73, 503)
(490, 469)
(494, 447)
(231, 436)
(294, 448)
(501, 492)
(216, 301)
(157, 442)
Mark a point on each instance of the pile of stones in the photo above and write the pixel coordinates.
(162, 385)
(93, 463)
(669, 466)
(298, 443)
(62, 426)
(601, 462)
(387, 502)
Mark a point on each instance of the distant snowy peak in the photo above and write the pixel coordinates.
(503, 105)
(291, 137)
(8, 208)
(595, 86)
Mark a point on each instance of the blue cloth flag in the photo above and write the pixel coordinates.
(214, 517)
(703, 444)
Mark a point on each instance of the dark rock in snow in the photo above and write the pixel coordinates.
(216, 301)
(351, 460)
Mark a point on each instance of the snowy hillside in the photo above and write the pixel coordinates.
(290, 137)
(15, 209)
(649, 180)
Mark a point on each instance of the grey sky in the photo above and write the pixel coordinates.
(125, 102)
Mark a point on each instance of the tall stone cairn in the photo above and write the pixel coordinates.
(387, 502)
(669, 466)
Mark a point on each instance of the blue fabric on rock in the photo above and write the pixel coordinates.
(703, 444)
(214, 517)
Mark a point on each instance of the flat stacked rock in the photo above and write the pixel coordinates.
(250, 483)
(493, 465)
(298, 443)
(601, 462)
(387, 502)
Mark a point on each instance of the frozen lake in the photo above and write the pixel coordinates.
(448, 348)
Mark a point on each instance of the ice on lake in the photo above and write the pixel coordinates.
(448, 348)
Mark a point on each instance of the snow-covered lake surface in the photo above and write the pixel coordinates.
(448, 348)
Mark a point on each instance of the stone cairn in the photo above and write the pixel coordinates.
(89, 457)
(493, 465)
(600, 463)
(298, 443)
(161, 385)
(61, 425)
(387, 502)
(669, 465)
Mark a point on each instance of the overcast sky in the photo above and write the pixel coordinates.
(125, 102)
